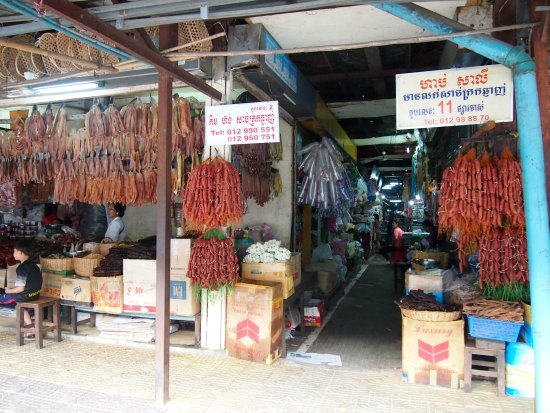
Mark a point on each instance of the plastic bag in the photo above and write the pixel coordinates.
(93, 224)
(321, 253)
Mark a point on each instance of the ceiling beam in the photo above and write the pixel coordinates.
(387, 157)
(371, 74)
(87, 21)
(140, 35)
(374, 62)
(386, 140)
(363, 109)
(393, 168)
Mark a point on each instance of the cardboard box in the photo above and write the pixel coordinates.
(520, 370)
(326, 281)
(76, 291)
(51, 285)
(180, 253)
(428, 280)
(255, 320)
(140, 289)
(296, 261)
(433, 352)
(107, 294)
(314, 313)
(281, 272)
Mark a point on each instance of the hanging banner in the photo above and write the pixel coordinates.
(242, 124)
(454, 97)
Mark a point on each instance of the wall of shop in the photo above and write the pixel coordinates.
(140, 221)
(278, 212)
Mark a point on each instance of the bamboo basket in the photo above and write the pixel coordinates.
(104, 247)
(84, 266)
(57, 264)
(432, 315)
(91, 247)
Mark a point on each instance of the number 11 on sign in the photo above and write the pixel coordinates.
(448, 104)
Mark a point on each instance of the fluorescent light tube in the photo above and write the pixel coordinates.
(74, 87)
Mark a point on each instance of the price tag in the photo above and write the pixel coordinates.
(242, 124)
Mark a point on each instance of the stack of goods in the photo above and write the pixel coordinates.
(271, 262)
(482, 199)
(213, 264)
(112, 265)
(326, 184)
(141, 330)
(113, 159)
(494, 319)
(259, 180)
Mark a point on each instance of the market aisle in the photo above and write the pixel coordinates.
(365, 329)
(85, 376)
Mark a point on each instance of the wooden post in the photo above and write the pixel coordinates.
(164, 182)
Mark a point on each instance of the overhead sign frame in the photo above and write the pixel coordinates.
(454, 97)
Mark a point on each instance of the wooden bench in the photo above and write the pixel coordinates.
(40, 326)
(495, 368)
(74, 323)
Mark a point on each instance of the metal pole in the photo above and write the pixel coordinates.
(164, 229)
(532, 167)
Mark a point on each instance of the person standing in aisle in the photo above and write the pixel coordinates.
(377, 232)
(396, 249)
(116, 230)
(28, 281)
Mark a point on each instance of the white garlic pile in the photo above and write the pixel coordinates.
(270, 251)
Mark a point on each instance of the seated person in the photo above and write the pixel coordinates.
(28, 282)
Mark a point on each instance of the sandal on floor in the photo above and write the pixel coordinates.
(29, 336)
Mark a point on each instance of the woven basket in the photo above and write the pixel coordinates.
(432, 315)
(91, 247)
(3, 69)
(57, 264)
(104, 247)
(192, 31)
(63, 44)
(48, 42)
(38, 63)
(84, 266)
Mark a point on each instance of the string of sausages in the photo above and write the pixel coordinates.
(503, 256)
(213, 263)
(479, 195)
(212, 196)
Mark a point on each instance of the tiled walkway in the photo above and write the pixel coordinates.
(83, 376)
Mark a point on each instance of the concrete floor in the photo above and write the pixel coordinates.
(85, 374)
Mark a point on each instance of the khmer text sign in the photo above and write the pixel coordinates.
(454, 97)
(241, 124)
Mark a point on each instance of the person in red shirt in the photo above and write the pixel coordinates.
(396, 249)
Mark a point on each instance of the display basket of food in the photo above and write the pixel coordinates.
(91, 247)
(494, 319)
(57, 263)
(493, 329)
(421, 306)
(84, 265)
(104, 247)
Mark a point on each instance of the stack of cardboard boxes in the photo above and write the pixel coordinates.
(255, 315)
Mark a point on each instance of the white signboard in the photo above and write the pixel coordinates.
(241, 124)
(454, 97)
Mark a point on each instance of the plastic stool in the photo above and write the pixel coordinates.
(495, 368)
(40, 326)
